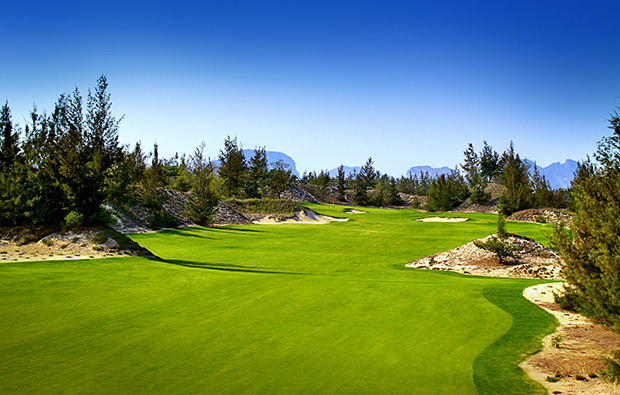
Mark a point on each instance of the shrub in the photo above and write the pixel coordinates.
(162, 219)
(612, 364)
(74, 219)
(553, 379)
(501, 248)
(556, 340)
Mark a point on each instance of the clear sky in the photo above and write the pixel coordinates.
(329, 82)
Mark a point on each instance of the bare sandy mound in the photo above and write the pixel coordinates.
(536, 261)
(306, 216)
(441, 219)
(575, 361)
(73, 244)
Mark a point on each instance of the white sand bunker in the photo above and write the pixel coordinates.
(354, 211)
(306, 216)
(440, 219)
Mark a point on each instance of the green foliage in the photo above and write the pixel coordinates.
(414, 184)
(233, 168)
(590, 247)
(556, 340)
(365, 180)
(203, 200)
(612, 367)
(499, 247)
(162, 219)
(9, 139)
(490, 163)
(265, 206)
(280, 178)
(446, 192)
(515, 177)
(552, 379)
(257, 177)
(74, 219)
(341, 185)
(474, 175)
(322, 181)
(501, 227)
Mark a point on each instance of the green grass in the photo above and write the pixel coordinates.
(272, 309)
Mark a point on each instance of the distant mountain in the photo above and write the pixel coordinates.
(558, 174)
(347, 170)
(432, 171)
(273, 157)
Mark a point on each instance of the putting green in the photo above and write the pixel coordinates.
(272, 309)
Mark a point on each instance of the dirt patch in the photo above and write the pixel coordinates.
(72, 244)
(572, 355)
(536, 261)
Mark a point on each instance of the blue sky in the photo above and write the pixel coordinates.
(329, 82)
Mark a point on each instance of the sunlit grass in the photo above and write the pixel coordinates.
(271, 309)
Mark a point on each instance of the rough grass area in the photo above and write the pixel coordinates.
(271, 309)
(265, 206)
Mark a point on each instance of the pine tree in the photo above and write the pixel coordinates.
(515, 177)
(9, 145)
(589, 247)
(233, 168)
(364, 181)
(257, 173)
(474, 175)
(203, 200)
(341, 183)
(490, 163)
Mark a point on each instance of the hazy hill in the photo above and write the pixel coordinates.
(558, 174)
(432, 171)
(347, 170)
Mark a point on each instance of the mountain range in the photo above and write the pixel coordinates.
(558, 174)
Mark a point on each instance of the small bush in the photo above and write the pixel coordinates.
(540, 219)
(612, 364)
(553, 379)
(557, 340)
(499, 247)
(162, 219)
(74, 219)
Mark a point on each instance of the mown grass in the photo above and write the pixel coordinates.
(271, 309)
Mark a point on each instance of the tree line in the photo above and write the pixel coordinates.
(62, 166)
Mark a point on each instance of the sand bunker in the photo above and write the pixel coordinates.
(301, 217)
(354, 211)
(440, 219)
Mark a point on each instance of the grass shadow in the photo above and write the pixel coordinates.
(223, 267)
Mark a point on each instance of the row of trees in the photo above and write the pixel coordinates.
(70, 162)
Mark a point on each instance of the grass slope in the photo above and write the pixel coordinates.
(271, 309)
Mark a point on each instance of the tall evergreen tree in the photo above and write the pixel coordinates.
(515, 177)
(9, 145)
(258, 169)
(474, 175)
(341, 183)
(203, 200)
(364, 181)
(589, 247)
(490, 163)
(233, 168)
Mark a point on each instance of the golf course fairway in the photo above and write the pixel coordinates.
(287, 309)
